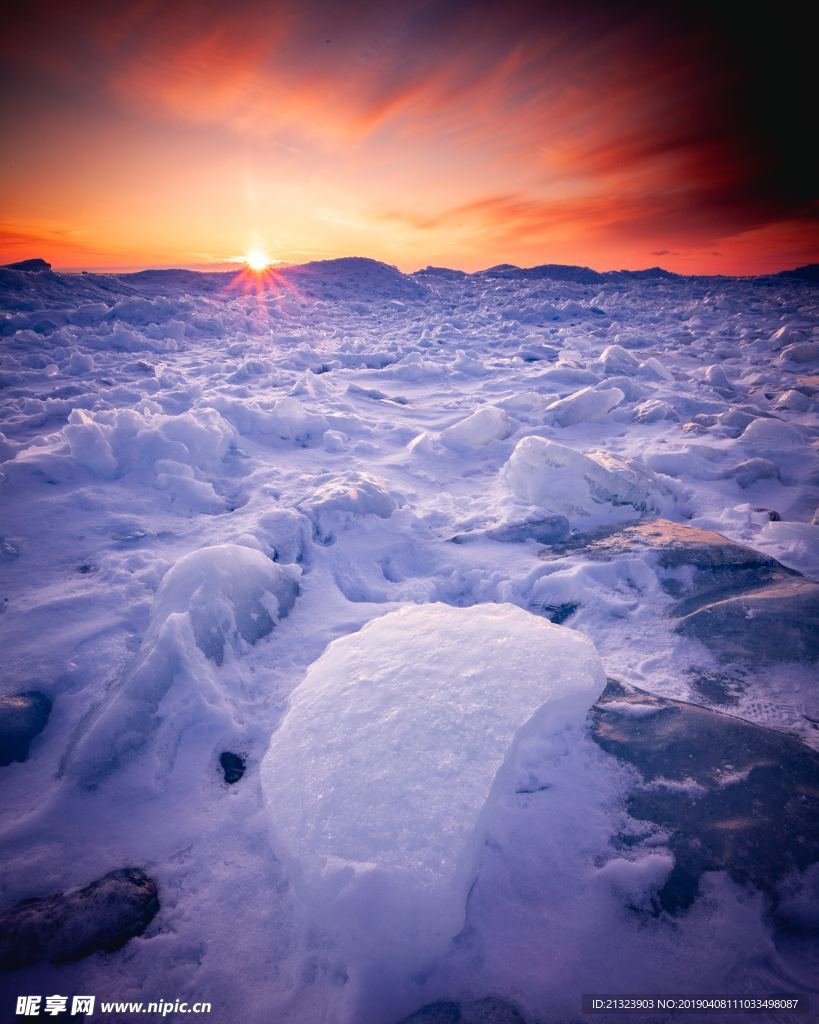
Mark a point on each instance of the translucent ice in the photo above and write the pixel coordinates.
(381, 780)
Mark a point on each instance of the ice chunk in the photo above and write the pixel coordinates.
(652, 411)
(382, 778)
(561, 480)
(352, 277)
(637, 879)
(751, 470)
(793, 400)
(466, 362)
(78, 363)
(785, 334)
(716, 377)
(484, 425)
(614, 359)
(654, 370)
(762, 434)
(800, 352)
(584, 405)
(565, 373)
(230, 592)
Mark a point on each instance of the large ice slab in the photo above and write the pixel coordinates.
(381, 780)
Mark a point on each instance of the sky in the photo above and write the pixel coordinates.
(421, 132)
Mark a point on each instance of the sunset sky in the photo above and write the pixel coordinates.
(148, 133)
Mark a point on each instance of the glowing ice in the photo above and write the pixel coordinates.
(381, 780)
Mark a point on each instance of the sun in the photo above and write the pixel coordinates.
(257, 260)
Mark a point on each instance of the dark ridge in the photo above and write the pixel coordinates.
(546, 271)
(33, 266)
(809, 273)
(447, 273)
(339, 271)
(650, 273)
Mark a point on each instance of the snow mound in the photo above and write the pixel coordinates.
(338, 502)
(220, 597)
(381, 780)
(112, 443)
(563, 481)
(231, 593)
(484, 425)
(284, 419)
(794, 544)
(173, 453)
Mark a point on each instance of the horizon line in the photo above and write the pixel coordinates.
(230, 266)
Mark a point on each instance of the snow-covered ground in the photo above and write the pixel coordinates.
(208, 479)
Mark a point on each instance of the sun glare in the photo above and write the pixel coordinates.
(257, 260)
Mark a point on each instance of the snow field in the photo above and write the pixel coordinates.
(219, 507)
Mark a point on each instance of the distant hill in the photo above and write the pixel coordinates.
(651, 273)
(810, 272)
(352, 277)
(35, 266)
(550, 271)
(445, 273)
